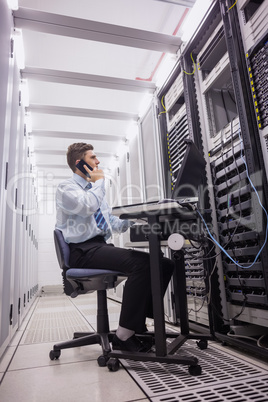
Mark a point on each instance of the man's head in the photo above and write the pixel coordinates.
(78, 151)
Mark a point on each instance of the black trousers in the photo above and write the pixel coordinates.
(137, 296)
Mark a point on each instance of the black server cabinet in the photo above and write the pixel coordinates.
(177, 104)
(225, 105)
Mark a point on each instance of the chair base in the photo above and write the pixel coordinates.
(103, 336)
(92, 338)
(83, 334)
(110, 358)
(84, 339)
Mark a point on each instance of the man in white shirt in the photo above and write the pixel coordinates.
(86, 222)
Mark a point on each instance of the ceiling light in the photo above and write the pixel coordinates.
(13, 4)
(185, 3)
(19, 48)
(165, 69)
(28, 122)
(194, 18)
(145, 104)
(132, 130)
(24, 93)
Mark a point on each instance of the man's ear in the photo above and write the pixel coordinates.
(76, 162)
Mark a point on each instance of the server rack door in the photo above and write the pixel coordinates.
(226, 115)
(136, 169)
(15, 188)
(253, 251)
(176, 125)
(151, 158)
(21, 221)
(8, 307)
(7, 66)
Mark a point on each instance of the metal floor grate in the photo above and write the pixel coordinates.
(49, 304)
(224, 378)
(54, 326)
(242, 391)
(52, 290)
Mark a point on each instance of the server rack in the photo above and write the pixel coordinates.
(226, 111)
(175, 128)
(18, 198)
(257, 62)
(238, 225)
(236, 156)
(218, 118)
(213, 290)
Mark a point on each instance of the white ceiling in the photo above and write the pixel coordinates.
(93, 89)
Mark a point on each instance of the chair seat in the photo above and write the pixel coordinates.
(84, 280)
(87, 274)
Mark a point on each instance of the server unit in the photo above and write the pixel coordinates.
(253, 16)
(18, 198)
(237, 224)
(174, 124)
(224, 99)
(229, 129)
(257, 61)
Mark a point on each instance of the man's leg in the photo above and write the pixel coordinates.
(136, 266)
(137, 291)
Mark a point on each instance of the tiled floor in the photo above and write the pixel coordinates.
(32, 376)
(28, 375)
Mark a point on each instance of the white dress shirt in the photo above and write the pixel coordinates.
(76, 205)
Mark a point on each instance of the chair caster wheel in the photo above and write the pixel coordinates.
(54, 354)
(113, 364)
(202, 344)
(102, 360)
(195, 370)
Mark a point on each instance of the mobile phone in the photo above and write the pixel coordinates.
(80, 166)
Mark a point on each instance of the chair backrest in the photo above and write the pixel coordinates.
(78, 281)
(62, 249)
(63, 255)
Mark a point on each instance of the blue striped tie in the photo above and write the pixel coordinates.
(100, 220)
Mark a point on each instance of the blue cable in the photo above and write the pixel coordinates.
(266, 236)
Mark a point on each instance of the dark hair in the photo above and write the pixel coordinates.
(77, 151)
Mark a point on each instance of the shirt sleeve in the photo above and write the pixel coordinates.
(120, 225)
(74, 200)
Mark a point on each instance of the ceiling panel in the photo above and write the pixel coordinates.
(140, 14)
(86, 90)
(79, 124)
(79, 55)
(59, 160)
(84, 97)
(87, 80)
(58, 144)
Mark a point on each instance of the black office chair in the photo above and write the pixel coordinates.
(79, 281)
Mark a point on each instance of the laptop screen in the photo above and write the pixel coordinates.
(191, 172)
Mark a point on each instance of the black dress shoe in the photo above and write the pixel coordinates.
(132, 344)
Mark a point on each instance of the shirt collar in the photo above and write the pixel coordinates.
(80, 180)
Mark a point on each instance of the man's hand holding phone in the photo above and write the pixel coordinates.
(95, 174)
(92, 174)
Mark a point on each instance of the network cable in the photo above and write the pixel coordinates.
(266, 214)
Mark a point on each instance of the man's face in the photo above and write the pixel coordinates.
(91, 159)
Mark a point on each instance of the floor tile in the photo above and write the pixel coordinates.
(37, 355)
(83, 381)
(6, 359)
(241, 355)
(77, 376)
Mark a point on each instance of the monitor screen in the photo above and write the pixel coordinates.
(190, 174)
